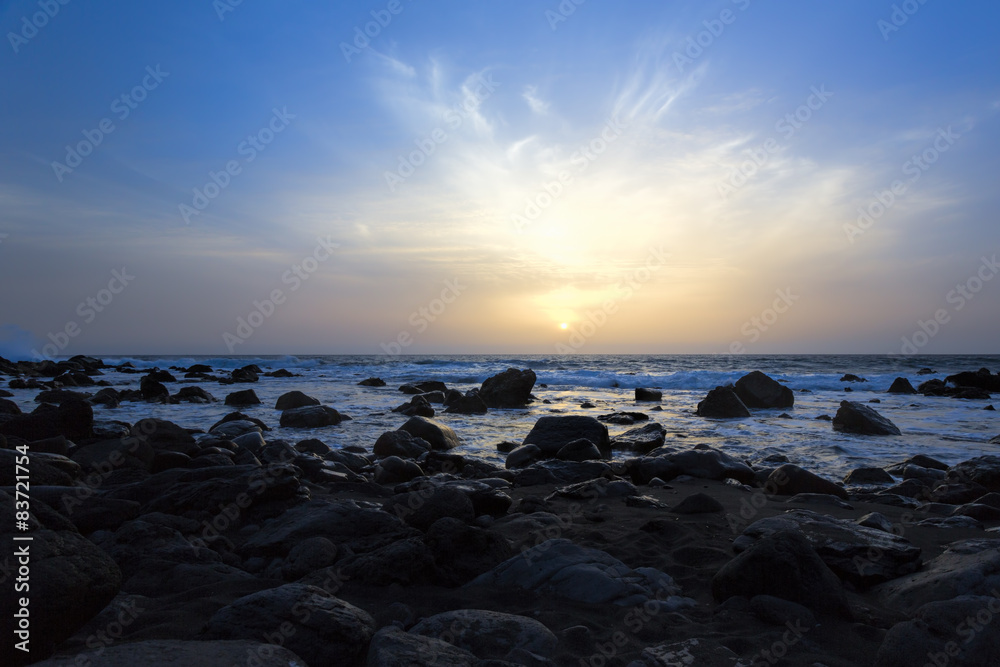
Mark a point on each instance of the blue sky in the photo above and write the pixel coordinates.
(651, 175)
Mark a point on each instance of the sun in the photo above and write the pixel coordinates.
(564, 326)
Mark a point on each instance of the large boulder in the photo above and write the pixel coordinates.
(311, 416)
(423, 507)
(981, 379)
(858, 554)
(949, 633)
(722, 403)
(982, 470)
(463, 552)
(400, 443)
(644, 394)
(242, 398)
(968, 567)
(73, 419)
(552, 433)
(440, 436)
(858, 418)
(294, 399)
(901, 386)
(785, 565)
(791, 480)
(391, 647)
(322, 629)
(559, 567)
(757, 390)
(702, 462)
(71, 580)
(489, 634)
(510, 389)
(163, 435)
(470, 403)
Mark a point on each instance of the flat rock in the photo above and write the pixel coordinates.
(322, 629)
(858, 554)
(652, 395)
(853, 417)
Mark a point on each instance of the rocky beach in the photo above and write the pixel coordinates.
(206, 515)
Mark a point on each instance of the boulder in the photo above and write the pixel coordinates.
(858, 418)
(857, 554)
(416, 407)
(968, 567)
(868, 476)
(322, 629)
(470, 403)
(309, 555)
(552, 433)
(526, 455)
(400, 443)
(510, 389)
(311, 416)
(981, 379)
(698, 503)
(192, 395)
(560, 472)
(791, 480)
(372, 382)
(652, 395)
(694, 652)
(489, 634)
(785, 565)
(108, 455)
(163, 435)
(440, 436)
(641, 440)
(578, 450)
(949, 633)
(757, 390)
(462, 552)
(559, 567)
(623, 418)
(423, 507)
(73, 419)
(394, 470)
(153, 390)
(241, 398)
(294, 399)
(901, 386)
(722, 403)
(982, 470)
(402, 563)
(391, 647)
(707, 463)
(181, 653)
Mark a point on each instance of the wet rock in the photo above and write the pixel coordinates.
(623, 418)
(510, 389)
(394, 470)
(192, 395)
(858, 418)
(470, 403)
(241, 398)
(785, 565)
(311, 416)
(418, 406)
(982, 470)
(560, 472)
(552, 433)
(593, 489)
(850, 377)
(372, 382)
(294, 399)
(524, 456)
(400, 443)
(325, 630)
(641, 440)
(846, 547)
(578, 450)
(791, 480)
(653, 395)
(757, 390)
(901, 386)
(876, 521)
(72, 419)
(440, 436)
(722, 403)
(698, 651)
(705, 462)
(153, 390)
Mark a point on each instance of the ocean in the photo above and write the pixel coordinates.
(948, 429)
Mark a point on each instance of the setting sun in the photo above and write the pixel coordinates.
(563, 326)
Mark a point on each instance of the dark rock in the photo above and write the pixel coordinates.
(641, 440)
(180, 653)
(422, 508)
(850, 377)
(391, 647)
(623, 418)
(57, 445)
(654, 395)
(45, 469)
(152, 390)
(578, 450)
(463, 552)
(416, 407)
(440, 436)
(192, 395)
(790, 480)
(108, 397)
(722, 403)
(945, 633)
(857, 554)
(308, 556)
(247, 374)
(294, 399)
(510, 389)
(700, 651)
(9, 407)
(161, 376)
(489, 634)
(310, 446)
(108, 455)
(560, 472)
(757, 390)
(785, 565)
(372, 382)
(73, 419)
(901, 386)
(981, 379)
(982, 470)
(58, 396)
(876, 521)
(470, 403)
(400, 443)
(526, 455)
(596, 488)
(326, 630)
(164, 435)
(708, 463)
(405, 563)
(394, 470)
(552, 433)
(698, 503)
(857, 418)
(776, 611)
(245, 397)
(868, 476)
(311, 416)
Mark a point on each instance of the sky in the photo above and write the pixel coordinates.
(416, 177)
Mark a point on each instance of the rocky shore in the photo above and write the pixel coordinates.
(152, 544)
